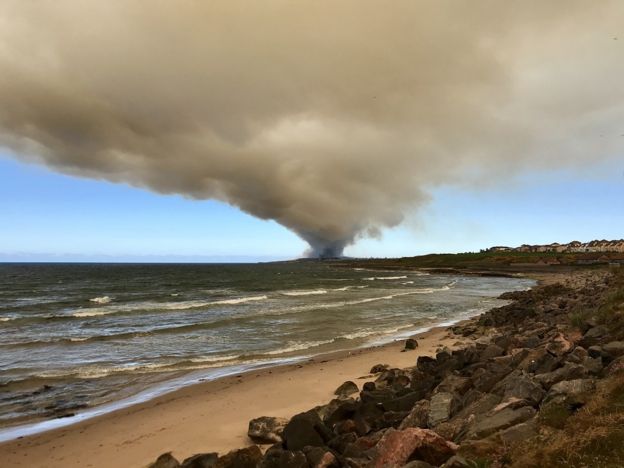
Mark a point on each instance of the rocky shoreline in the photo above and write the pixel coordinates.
(519, 378)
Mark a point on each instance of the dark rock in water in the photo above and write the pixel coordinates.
(418, 416)
(397, 447)
(346, 389)
(266, 429)
(248, 457)
(166, 460)
(442, 406)
(502, 420)
(202, 460)
(306, 429)
(377, 368)
(411, 343)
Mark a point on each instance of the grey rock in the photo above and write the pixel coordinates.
(492, 351)
(418, 464)
(567, 372)
(346, 389)
(521, 386)
(202, 460)
(266, 429)
(594, 336)
(442, 407)
(378, 368)
(519, 432)
(248, 457)
(411, 343)
(418, 416)
(614, 348)
(166, 460)
(454, 384)
(305, 429)
(502, 420)
(457, 461)
(577, 391)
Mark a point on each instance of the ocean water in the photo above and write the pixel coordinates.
(74, 336)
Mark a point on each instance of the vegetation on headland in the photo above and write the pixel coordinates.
(485, 260)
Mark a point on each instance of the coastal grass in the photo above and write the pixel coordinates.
(592, 437)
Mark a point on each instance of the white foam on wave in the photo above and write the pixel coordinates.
(183, 305)
(6, 319)
(304, 292)
(375, 278)
(407, 282)
(208, 359)
(100, 300)
(298, 346)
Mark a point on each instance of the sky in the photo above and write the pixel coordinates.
(209, 131)
(47, 216)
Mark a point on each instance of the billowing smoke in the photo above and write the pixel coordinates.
(333, 118)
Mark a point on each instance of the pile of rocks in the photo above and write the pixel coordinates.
(524, 368)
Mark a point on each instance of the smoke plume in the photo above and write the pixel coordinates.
(333, 118)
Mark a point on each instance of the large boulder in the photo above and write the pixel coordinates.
(319, 457)
(411, 343)
(305, 429)
(563, 399)
(442, 407)
(594, 336)
(266, 429)
(166, 460)
(521, 386)
(346, 389)
(614, 349)
(277, 457)
(418, 416)
(248, 457)
(568, 371)
(559, 345)
(201, 460)
(501, 420)
(396, 448)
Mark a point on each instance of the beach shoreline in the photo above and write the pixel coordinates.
(211, 415)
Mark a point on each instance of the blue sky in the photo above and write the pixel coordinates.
(46, 216)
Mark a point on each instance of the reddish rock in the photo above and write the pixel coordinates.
(398, 447)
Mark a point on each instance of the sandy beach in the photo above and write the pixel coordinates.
(210, 416)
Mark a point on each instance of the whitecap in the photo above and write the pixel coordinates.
(298, 346)
(373, 278)
(101, 300)
(304, 292)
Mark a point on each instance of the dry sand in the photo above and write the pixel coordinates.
(207, 417)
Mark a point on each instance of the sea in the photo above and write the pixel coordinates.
(74, 337)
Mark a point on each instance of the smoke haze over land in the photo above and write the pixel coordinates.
(332, 118)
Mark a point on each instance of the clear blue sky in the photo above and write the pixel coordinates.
(46, 216)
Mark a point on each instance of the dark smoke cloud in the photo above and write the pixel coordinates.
(332, 118)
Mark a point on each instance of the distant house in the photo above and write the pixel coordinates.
(500, 248)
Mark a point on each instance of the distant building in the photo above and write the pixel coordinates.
(602, 246)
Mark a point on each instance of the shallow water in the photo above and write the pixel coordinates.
(78, 335)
